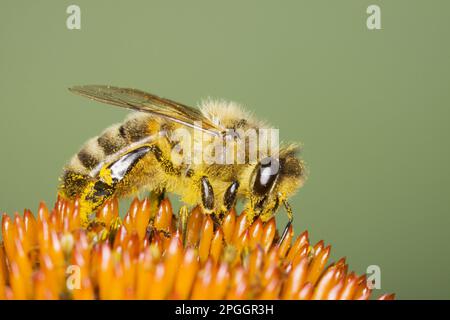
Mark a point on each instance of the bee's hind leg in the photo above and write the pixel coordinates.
(289, 223)
(92, 198)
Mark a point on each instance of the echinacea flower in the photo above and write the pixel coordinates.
(152, 254)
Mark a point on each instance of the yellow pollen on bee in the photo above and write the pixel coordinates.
(105, 175)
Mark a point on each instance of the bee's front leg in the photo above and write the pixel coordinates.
(290, 219)
(272, 208)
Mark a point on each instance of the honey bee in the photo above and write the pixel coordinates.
(138, 155)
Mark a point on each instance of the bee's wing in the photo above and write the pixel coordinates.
(147, 102)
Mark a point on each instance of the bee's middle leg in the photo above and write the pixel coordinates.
(208, 200)
(207, 194)
(229, 200)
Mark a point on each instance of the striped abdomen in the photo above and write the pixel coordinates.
(94, 151)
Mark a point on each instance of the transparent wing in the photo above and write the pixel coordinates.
(146, 102)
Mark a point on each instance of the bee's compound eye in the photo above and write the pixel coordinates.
(266, 174)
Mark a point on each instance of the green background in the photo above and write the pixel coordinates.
(370, 107)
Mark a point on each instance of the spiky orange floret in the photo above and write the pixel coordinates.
(146, 255)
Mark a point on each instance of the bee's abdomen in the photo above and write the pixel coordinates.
(135, 128)
(111, 141)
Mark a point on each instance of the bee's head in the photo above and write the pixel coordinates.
(274, 179)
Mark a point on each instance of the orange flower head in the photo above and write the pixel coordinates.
(151, 254)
